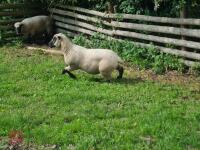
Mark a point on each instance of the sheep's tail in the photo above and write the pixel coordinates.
(120, 68)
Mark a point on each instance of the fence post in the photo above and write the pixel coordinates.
(111, 10)
(183, 14)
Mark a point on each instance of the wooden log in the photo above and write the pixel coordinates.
(157, 29)
(69, 33)
(11, 6)
(165, 20)
(17, 6)
(8, 27)
(8, 35)
(176, 52)
(77, 16)
(68, 28)
(165, 40)
(190, 63)
(74, 28)
(72, 14)
(178, 21)
(88, 26)
(20, 13)
(9, 22)
(141, 27)
(51, 51)
(87, 11)
(9, 39)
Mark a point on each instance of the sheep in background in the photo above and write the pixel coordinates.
(93, 61)
(35, 27)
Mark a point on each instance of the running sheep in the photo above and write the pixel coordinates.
(93, 61)
(35, 27)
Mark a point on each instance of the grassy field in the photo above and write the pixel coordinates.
(134, 113)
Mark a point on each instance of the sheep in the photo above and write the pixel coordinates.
(35, 26)
(92, 61)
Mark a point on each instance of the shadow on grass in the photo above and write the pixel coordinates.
(128, 81)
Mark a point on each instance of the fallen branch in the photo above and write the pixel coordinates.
(51, 51)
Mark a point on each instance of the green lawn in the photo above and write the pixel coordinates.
(50, 108)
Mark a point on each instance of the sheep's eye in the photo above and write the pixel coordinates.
(59, 37)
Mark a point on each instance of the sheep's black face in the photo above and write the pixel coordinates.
(18, 28)
(18, 31)
(55, 42)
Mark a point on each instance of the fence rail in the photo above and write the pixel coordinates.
(8, 22)
(18, 6)
(179, 21)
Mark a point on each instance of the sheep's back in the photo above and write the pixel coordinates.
(103, 53)
(36, 25)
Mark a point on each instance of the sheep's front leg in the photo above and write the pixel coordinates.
(68, 69)
(27, 39)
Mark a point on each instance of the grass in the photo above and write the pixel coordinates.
(50, 108)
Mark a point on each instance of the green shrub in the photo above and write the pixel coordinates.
(145, 58)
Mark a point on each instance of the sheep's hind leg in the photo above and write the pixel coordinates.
(105, 70)
(121, 71)
(27, 39)
(67, 70)
(106, 76)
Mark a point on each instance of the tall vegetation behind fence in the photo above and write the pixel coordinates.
(175, 36)
(11, 13)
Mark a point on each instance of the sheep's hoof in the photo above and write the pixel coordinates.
(107, 80)
(69, 73)
(72, 76)
(64, 71)
(119, 77)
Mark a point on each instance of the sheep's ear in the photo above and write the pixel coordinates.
(16, 24)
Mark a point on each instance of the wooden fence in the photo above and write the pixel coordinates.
(166, 34)
(11, 13)
(180, 37)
